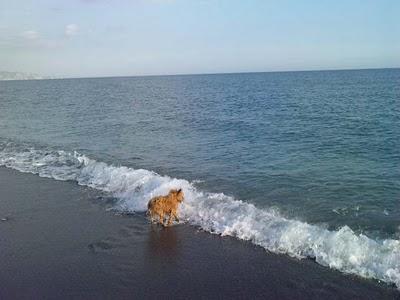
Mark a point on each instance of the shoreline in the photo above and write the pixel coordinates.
(59, 240)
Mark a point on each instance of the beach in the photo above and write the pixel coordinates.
(58, 240)
(266, 134)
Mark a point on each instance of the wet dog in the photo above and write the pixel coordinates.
(165, 207)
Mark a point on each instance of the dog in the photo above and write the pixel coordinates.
(165, 207)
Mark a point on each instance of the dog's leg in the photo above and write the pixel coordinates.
(151, 215)
(175, 216)
(161, 219)
(169, 223)
(170, 218)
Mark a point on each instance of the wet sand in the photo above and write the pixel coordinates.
(58, 240)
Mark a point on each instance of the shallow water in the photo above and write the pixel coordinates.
(316, 153)
(59, 243)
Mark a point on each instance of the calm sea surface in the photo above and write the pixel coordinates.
(320, 147)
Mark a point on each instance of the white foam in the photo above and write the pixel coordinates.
(343, 249)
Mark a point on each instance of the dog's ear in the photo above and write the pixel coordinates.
(179, 191)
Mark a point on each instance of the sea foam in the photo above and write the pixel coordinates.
(343, 249)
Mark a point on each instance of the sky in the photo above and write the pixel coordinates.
(90, 38)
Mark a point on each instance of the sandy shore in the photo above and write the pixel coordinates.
(57, 240)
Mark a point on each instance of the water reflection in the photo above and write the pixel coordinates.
(163, 242)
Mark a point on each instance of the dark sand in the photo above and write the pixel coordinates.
(59, 241)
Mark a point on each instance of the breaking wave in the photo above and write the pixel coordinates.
(343, 249)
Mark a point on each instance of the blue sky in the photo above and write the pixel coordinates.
(79, 38)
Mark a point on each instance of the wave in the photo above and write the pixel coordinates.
(343, 249)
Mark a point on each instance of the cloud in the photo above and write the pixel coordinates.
(71, 30)
(30, 35)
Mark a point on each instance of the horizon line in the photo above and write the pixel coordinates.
(201, 74)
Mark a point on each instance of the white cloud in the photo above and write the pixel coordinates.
(30, 35)
(71, 30)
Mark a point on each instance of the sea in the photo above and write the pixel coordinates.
(305, 164)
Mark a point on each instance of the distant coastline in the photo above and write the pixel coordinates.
(6, 76)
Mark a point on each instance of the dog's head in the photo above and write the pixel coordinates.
(178, 194)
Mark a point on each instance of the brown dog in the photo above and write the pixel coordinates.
(165, 207)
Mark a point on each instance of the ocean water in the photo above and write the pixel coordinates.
(301, 163)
